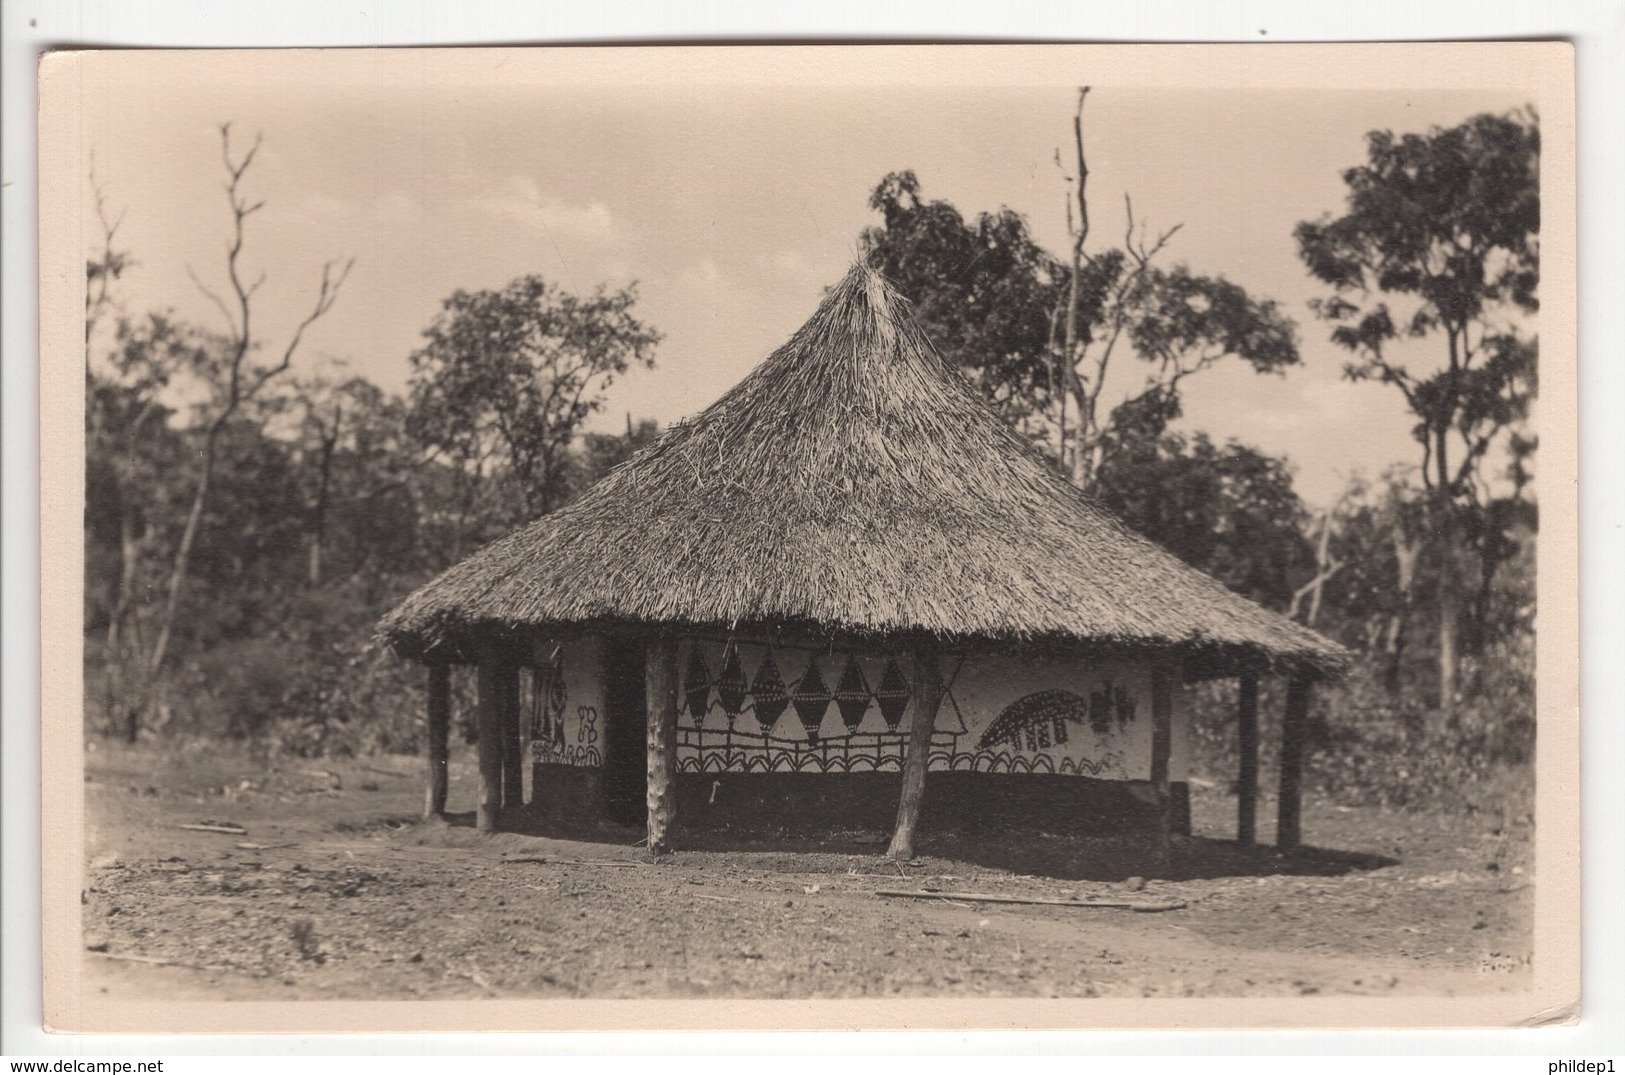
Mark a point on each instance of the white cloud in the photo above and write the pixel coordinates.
(704, 273)
(794, 264)
(519, 200)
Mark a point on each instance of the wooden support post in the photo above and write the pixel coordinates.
(1294, 725)
(927, 699)
(527, 774)
(513, 768)
(660, 688)
(1247, 770)
(438, 734)
(1163, 675)
(489, 712)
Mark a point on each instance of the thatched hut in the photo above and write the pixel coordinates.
(845, 580)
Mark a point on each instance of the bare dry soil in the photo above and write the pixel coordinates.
(337, 889)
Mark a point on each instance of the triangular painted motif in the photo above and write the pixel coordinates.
(810, 696)
(697, 686)
(892, 694)
(852, 694)
(768, 691)
(731, 685)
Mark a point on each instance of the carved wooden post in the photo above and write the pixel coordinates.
(489, 711)
(1293, 729)
(438, 734)
(1163, 673)
(513, 769)
(660, 687)
(1247, 770)
(927, 699)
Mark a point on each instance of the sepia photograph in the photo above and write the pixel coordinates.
(839, 536)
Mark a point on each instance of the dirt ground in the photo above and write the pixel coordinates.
(338, 890)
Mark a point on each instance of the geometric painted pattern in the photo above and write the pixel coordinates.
(697, 685)
(731, 684)
(852, 696)
(811, 695)
(892, 695)
(770, 681)
(767, 695)
(767, 688)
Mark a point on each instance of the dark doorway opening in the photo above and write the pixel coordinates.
(625, 732)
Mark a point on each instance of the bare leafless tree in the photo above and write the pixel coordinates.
(236, 381)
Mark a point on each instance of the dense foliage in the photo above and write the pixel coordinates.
(1440, 240)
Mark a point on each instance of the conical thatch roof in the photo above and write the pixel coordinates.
(853, 483)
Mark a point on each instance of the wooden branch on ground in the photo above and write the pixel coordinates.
(982, 897)
(229, 830)
(568, 862)
(157, 962)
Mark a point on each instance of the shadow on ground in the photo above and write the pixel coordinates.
(1072, 857)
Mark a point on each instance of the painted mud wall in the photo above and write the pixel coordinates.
(563, 696)
(784, 735)
(747, 707)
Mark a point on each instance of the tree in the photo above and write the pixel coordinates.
(602, 452)
(127, 442)
(1228, 510)
(361, 476)
(1377, 533)
(1448, 223)
(507, 377)
(984, 291)
(1175, 321)
(1041, 337)
(233, 378)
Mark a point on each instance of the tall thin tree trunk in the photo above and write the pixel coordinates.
(1322, 562)
(1449, 643)
(1449, 609)
(121, 706)
(183, 555)
(1394, 666)
(1082, 430)
(318, 532)
(1406, 553)
(1493, 552)
(1446, 534)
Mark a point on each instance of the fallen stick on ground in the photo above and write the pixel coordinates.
(978, 897)
(567, 862)
(229, 830)
(156, 962)
(262, 847)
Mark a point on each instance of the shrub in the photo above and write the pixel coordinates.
(1368, 747)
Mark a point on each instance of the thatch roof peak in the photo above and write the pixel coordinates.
(853, 482)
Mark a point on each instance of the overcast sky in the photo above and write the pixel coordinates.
(732, 206)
